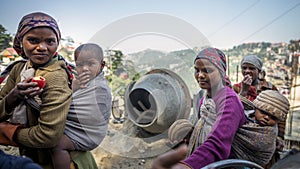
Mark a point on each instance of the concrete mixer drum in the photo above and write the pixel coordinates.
(156, 100)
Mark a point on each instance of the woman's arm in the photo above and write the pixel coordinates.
(170, 160)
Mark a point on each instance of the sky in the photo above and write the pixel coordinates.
(134, 25)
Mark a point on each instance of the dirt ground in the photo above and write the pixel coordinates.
(125, 146)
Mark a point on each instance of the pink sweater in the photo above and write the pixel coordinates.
(218, 144)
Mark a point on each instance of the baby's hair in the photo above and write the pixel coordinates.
(90, 47)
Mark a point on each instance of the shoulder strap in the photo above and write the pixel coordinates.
(70, 69)
(7, 70)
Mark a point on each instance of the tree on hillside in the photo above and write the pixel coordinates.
(116, 62)
(119, 67)
(294, 46)
(5, 38)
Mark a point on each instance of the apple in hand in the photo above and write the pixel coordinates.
(41, 81)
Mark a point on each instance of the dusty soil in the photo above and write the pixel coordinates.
(125, 146)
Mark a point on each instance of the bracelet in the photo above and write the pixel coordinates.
(185, 164)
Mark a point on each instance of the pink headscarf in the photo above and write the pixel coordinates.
(216, 57)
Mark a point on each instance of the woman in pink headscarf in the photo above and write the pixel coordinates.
(220, 115)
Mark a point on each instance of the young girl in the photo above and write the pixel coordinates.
(43, 123)
(88, 117)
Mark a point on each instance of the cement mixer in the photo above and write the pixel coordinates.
(156, 100)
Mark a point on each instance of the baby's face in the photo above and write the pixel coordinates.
(265, 118)
(88, 65)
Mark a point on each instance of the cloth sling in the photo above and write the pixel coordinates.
(252, 142)
(204, 125)
(255, 143)
(88, 117)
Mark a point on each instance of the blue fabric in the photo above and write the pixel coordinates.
(15, 162)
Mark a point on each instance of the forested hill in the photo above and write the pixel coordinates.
(181, 61)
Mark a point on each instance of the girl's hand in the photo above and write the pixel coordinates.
(27, 89)
(21, 91)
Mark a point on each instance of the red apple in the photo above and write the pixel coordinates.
(41, 81)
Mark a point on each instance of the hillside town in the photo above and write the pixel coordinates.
(281, 65)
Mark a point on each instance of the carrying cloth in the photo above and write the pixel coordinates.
(88, 117)
(255, 143)
(204, 124)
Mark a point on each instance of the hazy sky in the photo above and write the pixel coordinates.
(224, 23)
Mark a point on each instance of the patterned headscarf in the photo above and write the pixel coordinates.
(30, 21)
(216, 57)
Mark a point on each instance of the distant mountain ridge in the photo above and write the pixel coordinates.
(182, 61)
